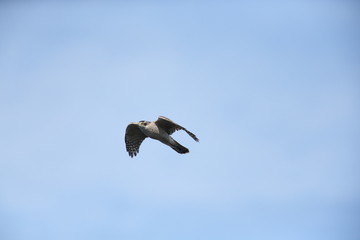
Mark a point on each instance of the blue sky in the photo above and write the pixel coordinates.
(270, 88)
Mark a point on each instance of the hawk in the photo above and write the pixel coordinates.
(161, 129)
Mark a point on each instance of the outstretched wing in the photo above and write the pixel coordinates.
(133, 139)
(170, 127)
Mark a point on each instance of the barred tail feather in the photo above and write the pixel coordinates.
(179, 148)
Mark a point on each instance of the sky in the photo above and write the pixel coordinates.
(271, 89)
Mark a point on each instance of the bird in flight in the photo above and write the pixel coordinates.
(161, 129)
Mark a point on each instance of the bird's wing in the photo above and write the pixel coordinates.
(170, 127)
(133, 139)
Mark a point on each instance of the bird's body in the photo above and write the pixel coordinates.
(160, 130)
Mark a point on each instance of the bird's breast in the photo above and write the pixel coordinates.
(155, 132)
(150, 131)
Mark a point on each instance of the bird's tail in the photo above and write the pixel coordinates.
(179, 148)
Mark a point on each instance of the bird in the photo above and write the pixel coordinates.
(160, 130)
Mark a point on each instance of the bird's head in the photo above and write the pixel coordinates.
(143, 123)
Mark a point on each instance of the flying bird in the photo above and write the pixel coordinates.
(161, 129)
